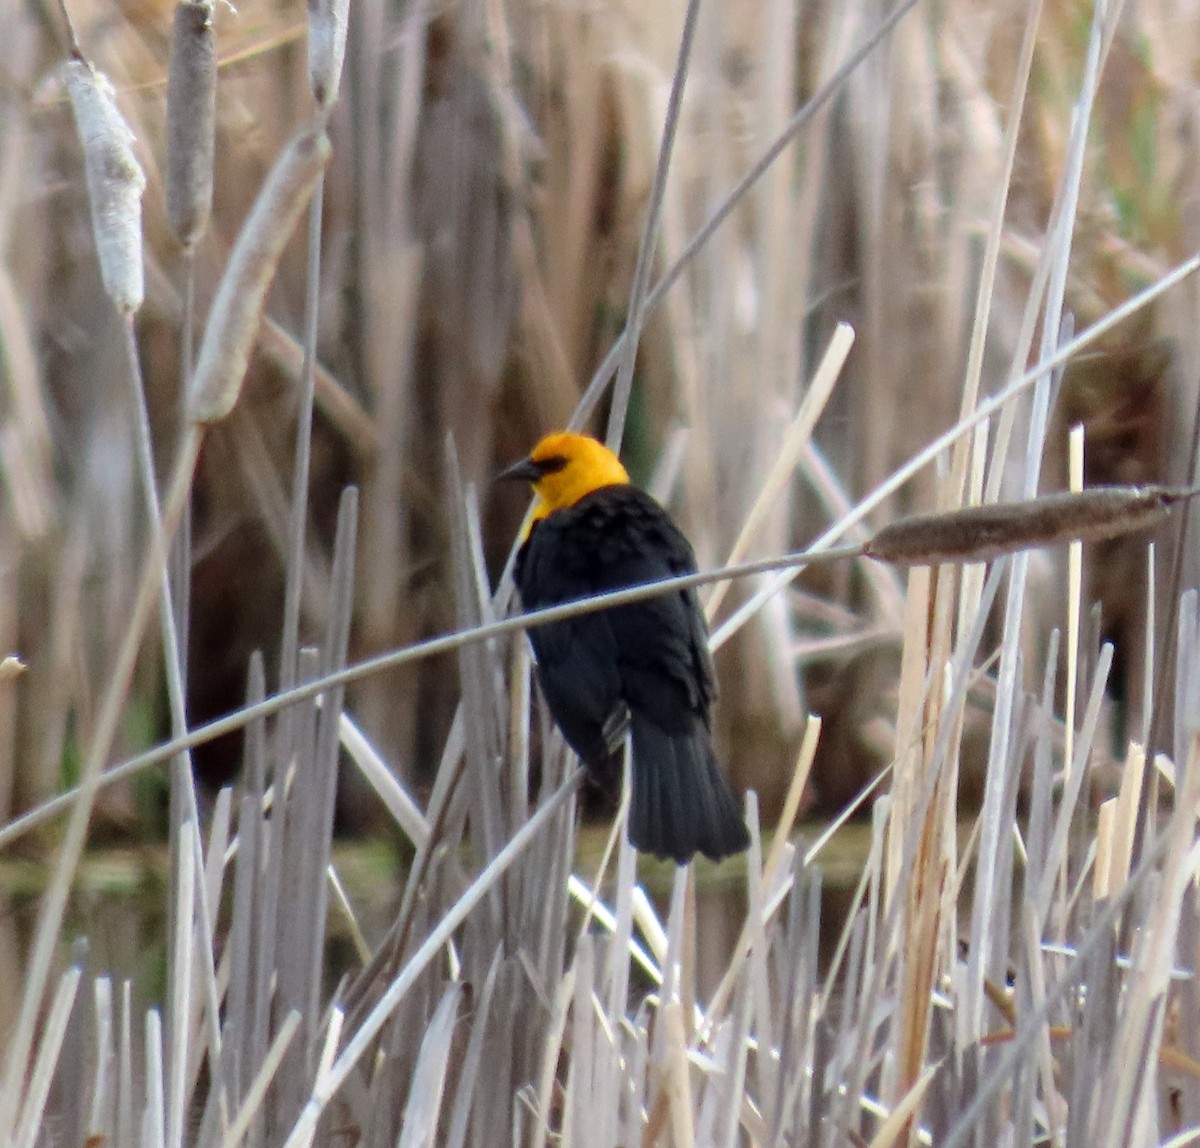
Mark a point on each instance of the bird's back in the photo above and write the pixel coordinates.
(643, 666)
(615, 537)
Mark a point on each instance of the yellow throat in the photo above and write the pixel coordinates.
(565, 467)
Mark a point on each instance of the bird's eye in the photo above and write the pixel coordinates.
(551, 465)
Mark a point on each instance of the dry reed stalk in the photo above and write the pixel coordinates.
(102, 1085)
(829, 1073)
(429, 1074)
(995, 232)
(1125, 817)
(1074, 597)
(153, 1122)
(204, 1022)
(32, 1111)
(794, 441)
(26, 453)
(268, 1067)
(649, 240)
(404, 810)
(985, 409)
(387, 283)
(183, 950)
(327, 71)
(327, 25)
(921, 715)
(327, 1085)
(51, 915)
(910, 750)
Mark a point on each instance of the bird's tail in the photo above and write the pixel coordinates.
(680, 804)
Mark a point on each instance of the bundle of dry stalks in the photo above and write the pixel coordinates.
(678, 200)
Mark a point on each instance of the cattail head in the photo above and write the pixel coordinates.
(115, 183)
(191, 119)
(237, 309)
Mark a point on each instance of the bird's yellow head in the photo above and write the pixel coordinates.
(564, 467)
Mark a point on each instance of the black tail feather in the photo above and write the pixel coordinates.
(680, 803)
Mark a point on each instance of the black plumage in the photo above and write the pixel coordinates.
(644, 667)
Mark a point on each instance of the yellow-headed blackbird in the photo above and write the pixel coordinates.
(642, 668)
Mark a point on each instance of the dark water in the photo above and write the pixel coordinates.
(120, 907)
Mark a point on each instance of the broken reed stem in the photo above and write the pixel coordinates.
(328, 21)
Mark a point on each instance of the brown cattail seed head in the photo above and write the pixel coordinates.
(191, 119)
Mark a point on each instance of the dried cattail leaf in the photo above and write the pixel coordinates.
(327, 20)
(191, 119)
(115, 183)
(237, 309)
(981, 533)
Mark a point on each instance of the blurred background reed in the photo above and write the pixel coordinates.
(479, 231)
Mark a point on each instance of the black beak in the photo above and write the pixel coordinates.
(524, 471)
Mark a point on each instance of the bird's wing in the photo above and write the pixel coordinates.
(654, 651)
(577, 658)
(662, 642)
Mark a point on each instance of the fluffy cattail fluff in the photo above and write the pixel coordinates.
(191, 119)
(326, 48)
(115, 182)
(237, 309)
